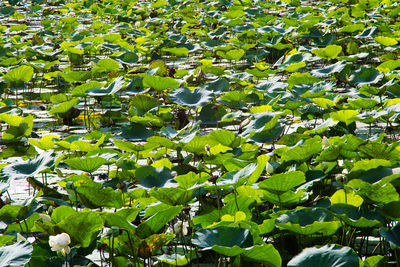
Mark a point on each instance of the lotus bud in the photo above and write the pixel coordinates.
(20, 238)
(45, 217)
(181, 228)
(207, 149)
(269, 168)
(341, 178)
(325, 142)
(60, 243)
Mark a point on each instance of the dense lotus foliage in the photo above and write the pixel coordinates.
(199, 133)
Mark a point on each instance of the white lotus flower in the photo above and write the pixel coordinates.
(60, 243)
(181, 228)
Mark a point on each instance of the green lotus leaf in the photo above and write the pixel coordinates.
(223, 237)
(82, 227)
(327, 70)
(23, 169)
(197, 98)
(346, 197)
(20, 74)
(392, 235)
(6, 11)
(391, 210)
(368, 32)
(87, 164)
(80, 90)
(345, 116)
(301, 78)
(308, 221)
(13, 212)
(303, 151)
(136, 132)
(386, 41)
(280, 183)
(75, 76)
(150, 177)
(260, 122)
(60, 213)
(379, 193)
(129, 58)
(18, 254)
(365, 75)
(142, 104)
(19, 127)
(295, 58)
(389, 65)
(175, 259)
(135, 86)
(357, 217)
(223, 137)
(157, 221)
(237, 178)
(368, 164)
(329, 52)
(266, 254)
(363, 103)
(198, 144)
(173, 196)
(218, 85)
(108, 65)
(352, 28)
(177, 51)
(373, 261)
(131, 147)
(326, 256)
(234, 54)
(211, 114)
(63, 108)
(94, 195)
(160, 83)
(112, 88)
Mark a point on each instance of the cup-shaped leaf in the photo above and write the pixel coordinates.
(365, 75)
(20, 74)
(280, 183)
(88, 164)
(329, 52)
(157, 221)
(160, 83)
(149, 176)
(82, 227)
(23, 169)
(94, 195)
(227, 237)
(112, 88)
(308, 221)
(199, 97)
(329, 255)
